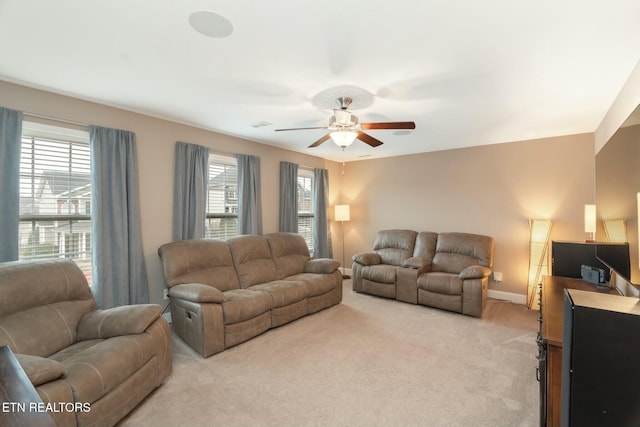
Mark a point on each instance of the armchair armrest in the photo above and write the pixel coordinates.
(197, 292)
(367, 258)
(417, 263)
(40, 370)
(321, 265)
(117, 321)
(474, 272)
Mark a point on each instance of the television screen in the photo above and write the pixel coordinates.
(567, 258)
(616, 257)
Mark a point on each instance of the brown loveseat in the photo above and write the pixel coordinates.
(103, 362)
(224, 293)
(446, 270)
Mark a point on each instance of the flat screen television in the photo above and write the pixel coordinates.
(567, 258)
(616, 257)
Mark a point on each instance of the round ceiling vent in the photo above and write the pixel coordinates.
(210, 24)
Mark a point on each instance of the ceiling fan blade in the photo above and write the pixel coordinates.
(319, 127)
(368, 139)
(388, 125)
(320, 141)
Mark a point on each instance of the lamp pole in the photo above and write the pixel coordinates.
(344, 276)
(342, 214)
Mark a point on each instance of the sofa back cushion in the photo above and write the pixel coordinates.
(457, 251)
(252, 258)
(203, 261)
(290, 253)
(41, 304)
(395, 246)
(426, 245)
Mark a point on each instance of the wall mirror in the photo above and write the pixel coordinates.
(618, 185)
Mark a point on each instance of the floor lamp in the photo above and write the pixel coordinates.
(539, 233)
(342, 214)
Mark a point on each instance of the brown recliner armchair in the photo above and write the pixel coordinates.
(104, 362)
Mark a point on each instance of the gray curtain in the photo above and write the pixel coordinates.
(288, 220)
(119, 272)
(321, 236)
(249, 195)
(10, 141)
(190, 191)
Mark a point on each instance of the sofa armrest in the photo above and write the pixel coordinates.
(367, 258)
(40, 370)
(117, 321)
(197, 292)
(417, 263)
(474, 272)
(321, 266)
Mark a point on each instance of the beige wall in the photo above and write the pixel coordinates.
(490, 190)
(156, 144)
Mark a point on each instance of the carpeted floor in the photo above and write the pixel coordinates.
(366, 362)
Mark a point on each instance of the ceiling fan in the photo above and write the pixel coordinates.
(344, 127)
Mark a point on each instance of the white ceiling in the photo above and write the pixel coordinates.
(467, 72)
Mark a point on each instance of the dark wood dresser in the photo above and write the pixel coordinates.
(550, 342)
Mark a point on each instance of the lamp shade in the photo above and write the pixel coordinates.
(343, 138)
(342, 213)
(590, 218)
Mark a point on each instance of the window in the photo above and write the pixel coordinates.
(305, 206)
(222, 198)
(55, 194)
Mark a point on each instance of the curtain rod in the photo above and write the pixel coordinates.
(54, 119)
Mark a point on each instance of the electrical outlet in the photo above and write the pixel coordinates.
(166, 294)
(497, 276)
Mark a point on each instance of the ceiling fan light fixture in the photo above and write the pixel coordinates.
(343, 138)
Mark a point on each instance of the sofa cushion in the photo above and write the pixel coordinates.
(382, 273)
(395, 246)
(96, 367)
(283, 292)
(244, 304)
(44, 330)
(203, 261)
(457, 251)
(40, 370)
(252, 259)
(289, 251)
(425, 247)
(440, 283)
(316, 284)
(41, 304)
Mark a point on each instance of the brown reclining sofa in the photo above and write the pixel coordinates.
(223, 293)
(443, 270)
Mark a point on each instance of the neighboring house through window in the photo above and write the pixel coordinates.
(305, 206)
(55, 194)
(222, 198)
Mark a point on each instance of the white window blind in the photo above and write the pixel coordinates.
(222, 198)
(305, 206)
(55, 194)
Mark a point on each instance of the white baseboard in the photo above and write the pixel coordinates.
(346, 271)
(507, 296)
(167, 317)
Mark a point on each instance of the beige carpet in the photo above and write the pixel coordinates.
(366, 362)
